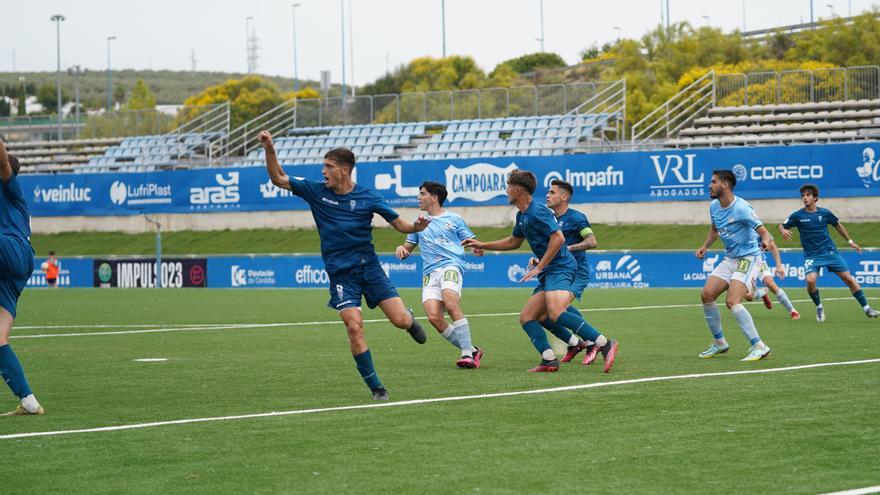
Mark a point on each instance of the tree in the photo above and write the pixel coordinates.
(535, 61)
(141, 97)
(248, 97)
(4, 108)
(47, 95)
(118, 94)
(22, 101)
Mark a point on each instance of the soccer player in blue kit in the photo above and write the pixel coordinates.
(734, 221)
(16, 265)
(556, 272)
(820, 250)
(443, 269)
(343, 213)
(579, 237)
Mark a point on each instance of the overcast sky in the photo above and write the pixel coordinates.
(162, 34)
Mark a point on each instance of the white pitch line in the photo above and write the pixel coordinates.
(245, 326)
(568, 388)
(857, 491)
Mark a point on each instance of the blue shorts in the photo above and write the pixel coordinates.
(555, 280)
(581, 279)
(16, 266)
(368, 281)
(832, 262)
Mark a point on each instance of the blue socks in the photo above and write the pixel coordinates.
(815, 297)
(860, 297)
(578, 325)
(536, 335)
(13, 374)
(560, 332)
(365, 367)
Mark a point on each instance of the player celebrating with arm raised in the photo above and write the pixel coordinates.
(16, 266)
(343, 212)
(443, 265)
(820, 250)
(556, 271)
(734, 220)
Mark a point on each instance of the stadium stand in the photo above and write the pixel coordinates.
(148, 153)
(53, 156)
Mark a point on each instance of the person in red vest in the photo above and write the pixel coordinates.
(51, 270)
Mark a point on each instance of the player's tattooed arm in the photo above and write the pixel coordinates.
(588, 243)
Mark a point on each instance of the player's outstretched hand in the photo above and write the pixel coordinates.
(700, 253)
(533, 262)
(402, 253)
(472, 243)
(780, 272)
(532, 273)
(266, 140)
(786, 234)
(856, 247)
(421, 223)
(479, 252)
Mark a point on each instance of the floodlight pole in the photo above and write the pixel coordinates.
(443, 24)
(542, 26)
(295, 67)
(109, 77)
(58, 19)
(158, 225)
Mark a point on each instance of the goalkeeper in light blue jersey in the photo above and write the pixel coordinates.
(443, 259)
(735, 222)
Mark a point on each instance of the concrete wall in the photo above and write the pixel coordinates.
(864, 209)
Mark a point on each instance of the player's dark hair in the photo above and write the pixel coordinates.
(435, 189)
(523, 179)
(13, 161)
(563, 185)
(341, 156)
(726, 176)
(813, 188)
(51, 253)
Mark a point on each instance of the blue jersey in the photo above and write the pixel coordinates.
(736, 225)
(15, 217)
(344, 222)
(536, 225)
(813, 228)
(575, 227)
(440, 242)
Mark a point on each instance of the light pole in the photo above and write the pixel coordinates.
(542, 25)
(295, 68)
(744, 15)
(109, 77)
(706, 18)
(443, 24)
(830, 8)
(57, 18)
(342, 32)
(75, 71)
(247, 43)
(617, 28)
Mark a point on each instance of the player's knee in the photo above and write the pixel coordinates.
(554, 314)
(731, 302)
(437, 320)
(706, 297)
(402, 320)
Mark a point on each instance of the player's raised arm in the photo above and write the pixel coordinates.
(506, 244)
(276, 173)
(711, 237)
(842, 231)
(5, 165)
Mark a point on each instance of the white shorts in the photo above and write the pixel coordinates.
(745, 269)
(447, 277)
(764, 270)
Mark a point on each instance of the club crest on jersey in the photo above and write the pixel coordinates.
(352, 204)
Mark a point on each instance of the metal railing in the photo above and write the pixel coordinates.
(798, 86)
(465, 104)
(677, 112)
(603, 111)
(241, 140)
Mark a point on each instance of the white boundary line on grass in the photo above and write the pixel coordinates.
(151, 328)
(569, 388)
(857, 491)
